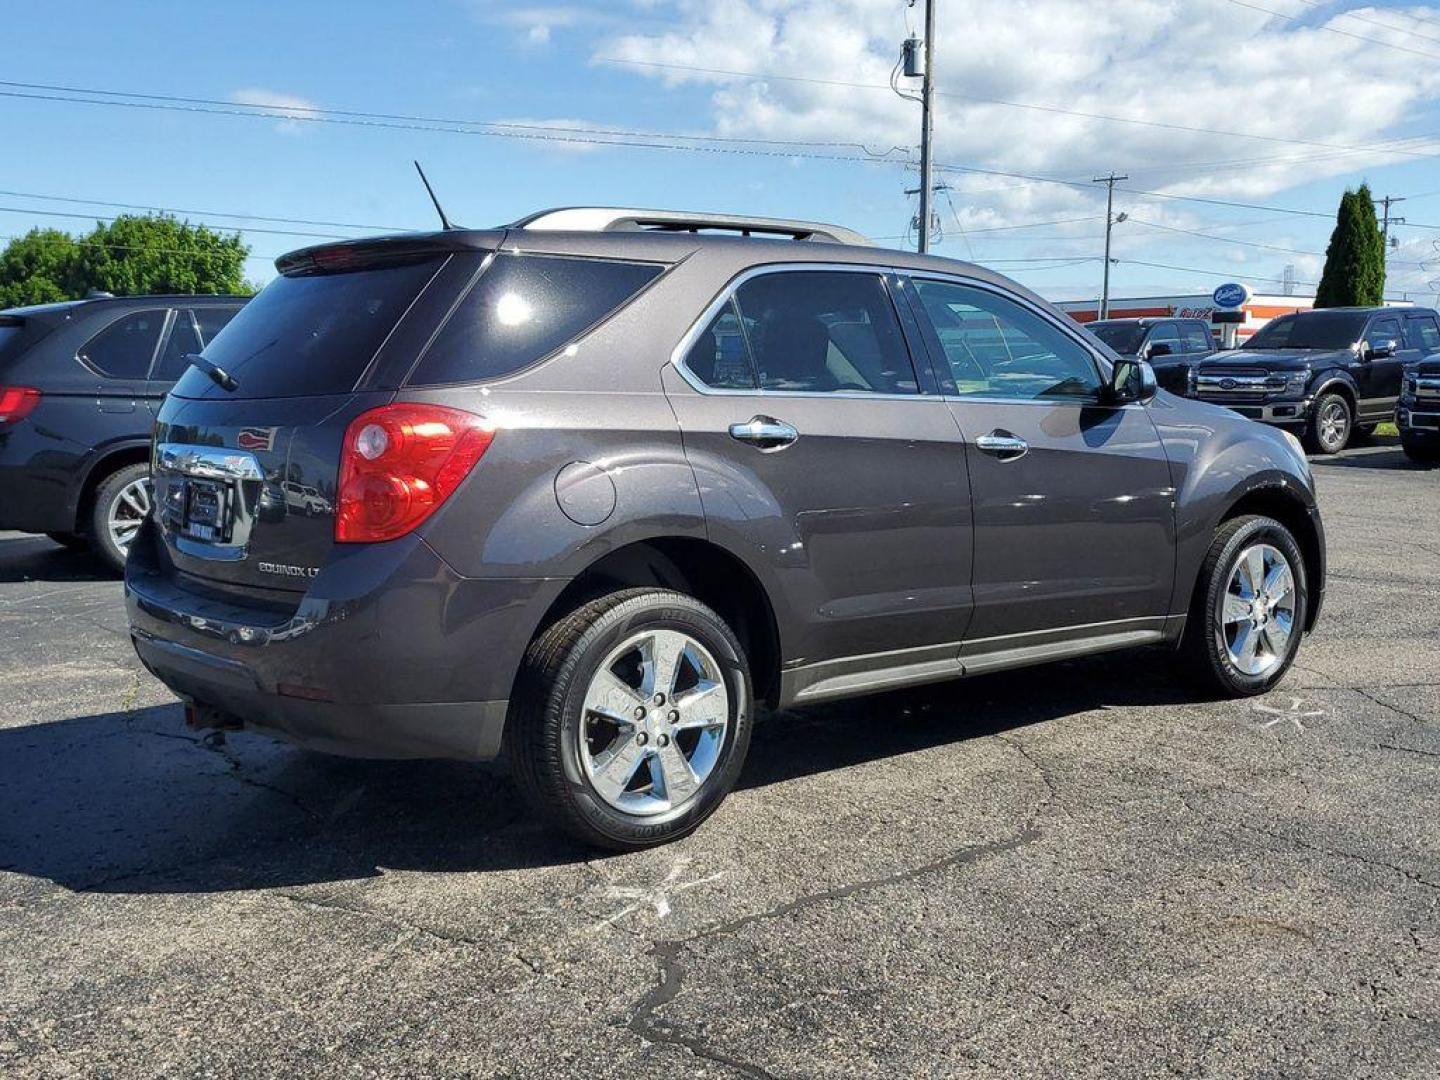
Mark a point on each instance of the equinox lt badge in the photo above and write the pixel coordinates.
(287, 571)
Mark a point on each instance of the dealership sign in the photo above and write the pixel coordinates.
(1231, 296)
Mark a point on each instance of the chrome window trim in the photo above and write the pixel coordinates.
(726, 294)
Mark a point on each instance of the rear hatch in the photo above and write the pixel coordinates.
(245, 478)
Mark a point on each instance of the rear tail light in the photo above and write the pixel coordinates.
(399, 464)
(16, 403)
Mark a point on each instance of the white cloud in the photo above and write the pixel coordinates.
(295, 110)
(536, 24)
(1183, 63)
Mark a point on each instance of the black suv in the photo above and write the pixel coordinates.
(1171, 345)
(79, 386)
(1418, 416)
(586, 489)
(1331, 372)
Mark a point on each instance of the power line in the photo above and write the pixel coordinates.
(203, 213)
(1336, 30)
(79, 242)
(103, 217)
(1244, 243)
(1374, 22)
(1208, 273)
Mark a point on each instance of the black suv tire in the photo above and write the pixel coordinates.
(1204, 650)
(107, 501)
(1329, 405)
(549, 719)
(1424, 452)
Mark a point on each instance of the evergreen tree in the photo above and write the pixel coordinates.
(1354, 274)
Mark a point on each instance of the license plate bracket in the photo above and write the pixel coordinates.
(207, 510)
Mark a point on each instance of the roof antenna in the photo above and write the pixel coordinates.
(445, 222)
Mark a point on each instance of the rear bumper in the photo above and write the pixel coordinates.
(390, 653)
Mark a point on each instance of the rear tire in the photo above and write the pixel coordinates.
(122, 501)
(631, 719)
(1233, 645)
(1364, 432)
(1330, 426)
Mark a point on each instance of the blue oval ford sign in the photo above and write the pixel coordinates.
(1231, 295)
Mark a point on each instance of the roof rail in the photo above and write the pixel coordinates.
(619, 219)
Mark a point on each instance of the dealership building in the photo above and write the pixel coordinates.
(1230, 323)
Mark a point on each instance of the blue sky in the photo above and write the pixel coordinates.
(1333, 87)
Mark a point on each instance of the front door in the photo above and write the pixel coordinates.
(818, 452)
(1073, 505)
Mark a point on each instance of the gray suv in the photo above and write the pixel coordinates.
(585, 491)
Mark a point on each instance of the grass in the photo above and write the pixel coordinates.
(1387, 428)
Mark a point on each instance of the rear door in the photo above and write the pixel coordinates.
(1073, 508)
(120, 355)
(1379, 377)
(817, 449)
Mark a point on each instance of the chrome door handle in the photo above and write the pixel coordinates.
(1003, 445)
(765, 433)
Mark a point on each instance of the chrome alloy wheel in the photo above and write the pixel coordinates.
(656, 713)
(1257, 610)
(128, 512)
(1334, 422)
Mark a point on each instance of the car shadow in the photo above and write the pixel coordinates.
(38, 558)
(133, 802)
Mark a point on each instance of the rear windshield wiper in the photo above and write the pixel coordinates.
(218, 375)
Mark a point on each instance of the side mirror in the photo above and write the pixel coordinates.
(1382, 349)
(1131, 381)
(1157, 348)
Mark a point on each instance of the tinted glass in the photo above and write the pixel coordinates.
(1422, 333)
(822, 331)
(1167, 334)
(1194, 338)
(183, 339)
(719, 357)
(522, 309)
(310, 334)
(212, 320)
(1123, 337)
(1313, 330)
(124, 349)
(998, 348)
(1385, 330)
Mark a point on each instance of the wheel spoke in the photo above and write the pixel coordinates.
(677, 780)
(1246, 641)
(1255, 569)
(615, 768)
(706, 706)
(612, 697)
(1279, 583)
(1276, 638)
(663, 655)
(131, 499)
(1237, 609)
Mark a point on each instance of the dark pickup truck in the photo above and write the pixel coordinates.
(1170, 345)
(1418, 417)
(1326, 373)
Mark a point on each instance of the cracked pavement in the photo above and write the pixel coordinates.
(1077, 871)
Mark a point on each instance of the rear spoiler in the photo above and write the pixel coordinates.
(376, 252)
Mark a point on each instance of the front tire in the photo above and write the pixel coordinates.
(1331, 423)
(1249, 608)
(122, 501)
(1423, 452)
(631, 719)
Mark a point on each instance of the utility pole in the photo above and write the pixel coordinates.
(927, 125)
(1387, 221)
(1110, 221)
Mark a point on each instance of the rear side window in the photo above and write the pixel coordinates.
(719, 357)
(124, 349)
(310, 333)
(522, 309)
(1422, 333)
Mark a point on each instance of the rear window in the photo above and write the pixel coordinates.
(523, 308)
(310, 334)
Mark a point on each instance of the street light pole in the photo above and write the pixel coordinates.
(1110, 222)
(927, 124)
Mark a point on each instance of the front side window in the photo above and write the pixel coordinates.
(522, 309)
(1384, 330)
(124, 349)
(995, 347)
(1422, 333)
(824, 331)
(1168, 335)
(184, 339)
(1194, 337)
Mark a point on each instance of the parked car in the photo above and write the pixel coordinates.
(79, 386)
(1171, 345)
(1328, 373)
(608, 480)
(1418, 416)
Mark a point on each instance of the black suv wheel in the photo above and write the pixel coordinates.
(631, 718)
(121, 502)
(1249, 607)
(1331, 423)
(1424, 451)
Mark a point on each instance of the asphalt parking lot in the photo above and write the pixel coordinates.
(1075, 871)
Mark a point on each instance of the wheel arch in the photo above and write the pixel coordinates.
(697, 567)
(108, 460)
(1342, 384)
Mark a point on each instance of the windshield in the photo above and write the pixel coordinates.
(1123, 337)
(1312, 330)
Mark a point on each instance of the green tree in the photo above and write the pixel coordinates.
(1354, 272)
(39, 268)
(135, 255)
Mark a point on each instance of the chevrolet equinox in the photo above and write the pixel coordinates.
(585, 491)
